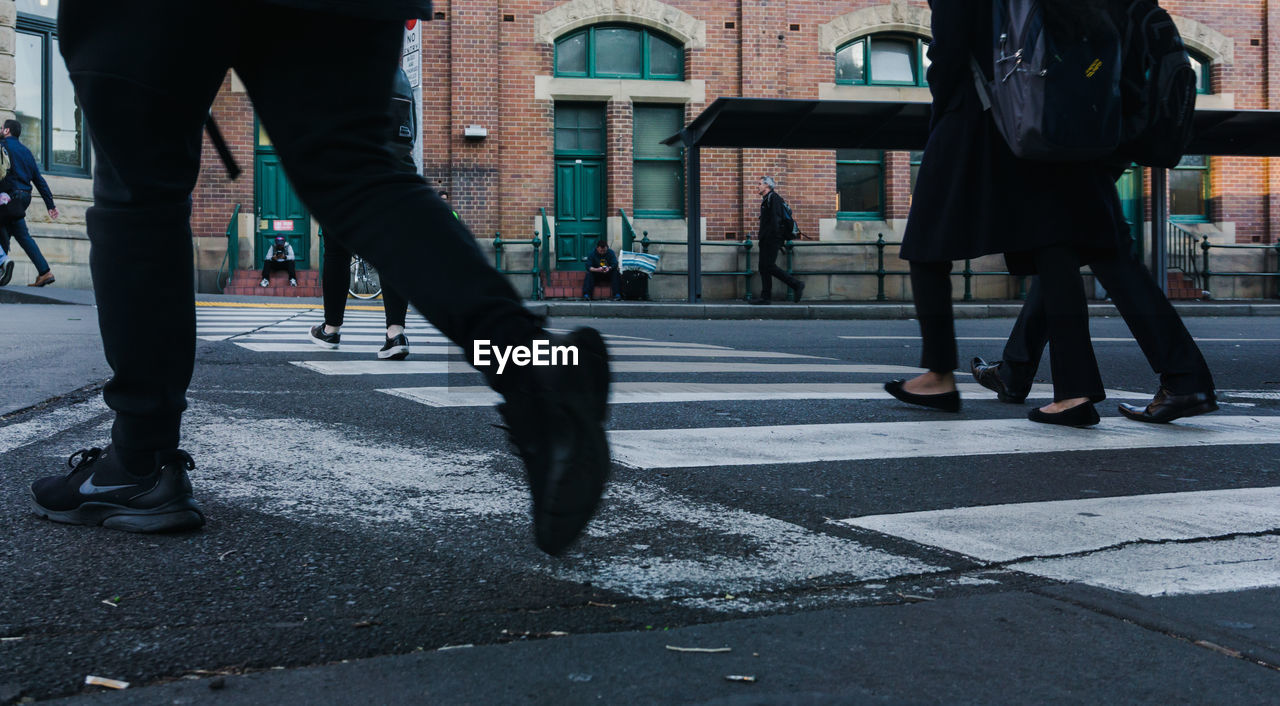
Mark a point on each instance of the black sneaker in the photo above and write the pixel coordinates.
(395, 348)
(326, 340)
(99, 491)
(555, 418)
(6, 272)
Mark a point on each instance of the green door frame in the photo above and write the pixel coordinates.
(580, 183)
(276, 206)
(1131, 204)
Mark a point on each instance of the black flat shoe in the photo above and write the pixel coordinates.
(799, 292)
(988, 375)
(944, 401)
(1082, 415)
(1167, 407)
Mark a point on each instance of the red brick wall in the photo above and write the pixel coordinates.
(215, 195)
(479, 69)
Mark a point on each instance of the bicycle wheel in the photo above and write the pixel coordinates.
(365, 283)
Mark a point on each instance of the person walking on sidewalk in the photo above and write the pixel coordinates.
(24, 174)
(774, 231)
(337, 259)
(974, 197)
(135, 59)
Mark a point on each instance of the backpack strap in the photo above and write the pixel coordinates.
(980, 83)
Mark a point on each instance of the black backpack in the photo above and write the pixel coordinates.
(1158, 88)
(1051, 101)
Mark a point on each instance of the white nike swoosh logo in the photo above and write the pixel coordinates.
(88, 487)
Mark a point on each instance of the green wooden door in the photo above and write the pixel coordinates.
(580, 219)
(1130, 188)
(279, 210)
(580, 182)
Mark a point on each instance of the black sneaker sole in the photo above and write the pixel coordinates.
(178, 515)
(397, 353)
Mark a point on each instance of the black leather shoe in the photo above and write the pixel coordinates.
(1167, 407)
(944, 401)
(1082, 415)
(759, 302)
(988, 375)
(799, 292)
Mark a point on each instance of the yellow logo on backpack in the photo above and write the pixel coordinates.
(1093, 68)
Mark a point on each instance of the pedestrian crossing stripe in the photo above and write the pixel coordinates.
(1145, 544)
(619, 351)
(415, 367)
(668, 392)
(812, 443)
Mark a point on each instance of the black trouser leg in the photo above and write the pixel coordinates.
(931, 290)
(130, 63)
(395, 308)
(588, 283)
(292, 268)
(337, 281)
(1071, 357)
(1164, 339)
(769, 250)
(615, 282)
(1027, 340)
(330, 137)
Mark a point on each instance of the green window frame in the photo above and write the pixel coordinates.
(657, 174)
(53, 127)
(579, 130)
(619, 51)
(1189, 190)
(858, 62)
(860, 185)
(1200, 65)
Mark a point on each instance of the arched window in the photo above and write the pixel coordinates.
(1201, 66)
(619, 51)
(883, 60)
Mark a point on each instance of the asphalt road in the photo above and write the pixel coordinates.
(843, 546)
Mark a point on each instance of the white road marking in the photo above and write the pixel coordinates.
(666, 392)
(13, 436)
(646, 351)
(1044, 533)
(808, 443)
(361, 367)
(1095, 339)
(1250, 394)
(441, 493)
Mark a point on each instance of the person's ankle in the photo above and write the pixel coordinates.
(393, 331)
(331, 329)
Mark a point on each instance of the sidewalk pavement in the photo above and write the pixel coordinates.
(1054, 644)
(705, 310)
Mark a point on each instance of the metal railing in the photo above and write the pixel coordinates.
(231, 258)
(628, 231)
(745, 245)
(880, 273)
(499, 248)
(1201, 271)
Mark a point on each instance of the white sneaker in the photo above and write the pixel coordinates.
(265, 282)
(293, 283)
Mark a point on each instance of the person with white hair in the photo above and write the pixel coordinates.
(775, 228)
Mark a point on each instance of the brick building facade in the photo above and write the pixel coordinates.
(607, 75)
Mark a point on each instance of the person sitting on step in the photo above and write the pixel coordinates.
(280, 258)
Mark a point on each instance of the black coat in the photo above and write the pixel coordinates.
(973, 197)
(772, 219)
(368, 9)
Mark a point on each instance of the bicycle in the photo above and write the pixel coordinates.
(365, 282)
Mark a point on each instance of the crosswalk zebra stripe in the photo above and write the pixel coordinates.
(672, 352)
(808, 443)
(666, 392)
(413, 367)
(1095, 339)
(1140, 544)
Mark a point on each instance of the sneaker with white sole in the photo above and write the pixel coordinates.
(395, 348)
(325, 340)
(265, 282)
(99, 491)
(293, 282)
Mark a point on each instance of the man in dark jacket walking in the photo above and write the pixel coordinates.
(24, 175)
(326, 112)
(773, 232)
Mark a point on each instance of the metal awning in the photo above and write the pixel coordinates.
(779, 123)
